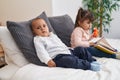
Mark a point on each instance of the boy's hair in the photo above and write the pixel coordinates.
(33, 21)
(31, 25)
(83, 15)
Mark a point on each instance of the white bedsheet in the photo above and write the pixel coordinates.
(110, 71)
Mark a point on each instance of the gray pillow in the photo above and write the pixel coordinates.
(63, 26)
(22, 34)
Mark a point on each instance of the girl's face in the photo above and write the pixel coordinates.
(40, 28)
(86, 24)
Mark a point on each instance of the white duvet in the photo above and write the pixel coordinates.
(110, 70)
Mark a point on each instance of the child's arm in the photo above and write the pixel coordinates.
(42, 53)
(77, 38)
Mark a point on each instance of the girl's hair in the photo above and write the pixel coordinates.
(83, 15)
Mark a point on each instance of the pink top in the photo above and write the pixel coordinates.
(80, 37)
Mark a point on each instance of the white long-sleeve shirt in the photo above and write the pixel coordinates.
(48, 47)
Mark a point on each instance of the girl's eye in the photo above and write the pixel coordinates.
(89, 22)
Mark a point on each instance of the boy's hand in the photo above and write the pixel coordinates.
(51, 63)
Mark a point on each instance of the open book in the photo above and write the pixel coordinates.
(103, 45)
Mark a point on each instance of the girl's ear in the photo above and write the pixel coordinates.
(79, 23)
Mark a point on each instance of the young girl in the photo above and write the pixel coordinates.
(81, 34)
(54, 53)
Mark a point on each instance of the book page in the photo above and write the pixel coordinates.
(103, 42)
(94, 40)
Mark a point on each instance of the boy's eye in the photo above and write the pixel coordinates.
(38, 28)
(44, 25)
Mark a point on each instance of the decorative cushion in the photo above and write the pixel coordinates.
(13, 54)
(63, 26)
(22, 34)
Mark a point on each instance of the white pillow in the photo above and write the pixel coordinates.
(10, 48)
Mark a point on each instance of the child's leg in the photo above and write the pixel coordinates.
(71, 61)
(98, 53)
(83, 53)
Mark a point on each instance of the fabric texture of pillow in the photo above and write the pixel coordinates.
(63, 26)
(22, 34)
(12, 52)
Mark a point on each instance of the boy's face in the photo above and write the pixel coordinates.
(86, 24)
(40, 28)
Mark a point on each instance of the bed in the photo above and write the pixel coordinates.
(20, 68)
(110, 71)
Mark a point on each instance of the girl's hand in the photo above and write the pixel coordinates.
(92, 43)
(51, 63)
(91, 36)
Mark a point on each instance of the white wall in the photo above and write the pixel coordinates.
(114, 31)
(70, 7)
(19, 10)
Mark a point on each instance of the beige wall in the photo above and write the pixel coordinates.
(21, 10)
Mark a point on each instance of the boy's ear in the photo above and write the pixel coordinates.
(34, 33)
